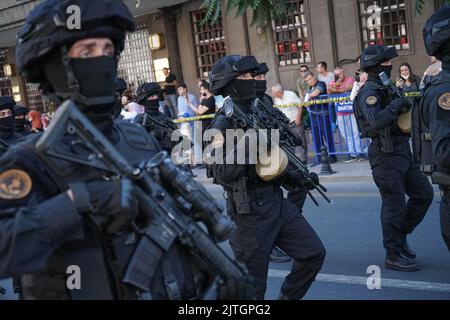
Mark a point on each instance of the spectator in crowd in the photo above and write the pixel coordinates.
(170, 88)
(346, 120)
(283, 97)
(322, 73)
(200, 83)
(207, 104)
(302, 86)
(34, 117)
(341, 83)
(45, 121)
(320, 116)
(218, 99)
(207, 107)
(407, 80)
(130, 109)
(186, 98)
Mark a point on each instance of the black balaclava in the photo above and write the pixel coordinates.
(242, 92)
(19, 124)
(374, 72)
(96, 79)
(6, 124)
(261, 88)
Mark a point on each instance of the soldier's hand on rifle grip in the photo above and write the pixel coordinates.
(111, 205)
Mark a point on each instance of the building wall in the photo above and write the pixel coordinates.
(348, 44)
(260, 40)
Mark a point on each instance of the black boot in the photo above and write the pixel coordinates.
(278, 255)
(406, 250)
(396, 261)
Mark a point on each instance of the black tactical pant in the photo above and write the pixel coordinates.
(444, 212)
(276, 221)
(396, 175)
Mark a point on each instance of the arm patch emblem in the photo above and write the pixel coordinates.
(371, 100)
(14, 184)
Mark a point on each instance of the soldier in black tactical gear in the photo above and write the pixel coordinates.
(434, 114)
(8, 136)
(263, 217)
(57, 213)
(155, 122)
(394, 170)
(21, 124)
(298, 196)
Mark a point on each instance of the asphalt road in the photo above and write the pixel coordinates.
(351, 232)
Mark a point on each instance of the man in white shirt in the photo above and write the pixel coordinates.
(323, 74)
(295, 115)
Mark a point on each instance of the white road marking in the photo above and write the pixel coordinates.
(385, 282)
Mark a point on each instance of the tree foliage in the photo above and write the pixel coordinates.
(263, 10)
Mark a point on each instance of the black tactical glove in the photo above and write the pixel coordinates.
(294, 177)
(400, 105)
(111, 205)
(237, 289)
(313, 182)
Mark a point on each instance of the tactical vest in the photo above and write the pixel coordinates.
(104, 258)
(366, 131)
(7, 141)
(421, 135)
(164, 138)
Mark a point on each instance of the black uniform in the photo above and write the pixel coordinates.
(297, 196)
(7, 135)
(395, 172)
(434, 113)
(56, 213)
(435, 107)
(21, 126)
(39, 250)
(159, 126)
(262, 215)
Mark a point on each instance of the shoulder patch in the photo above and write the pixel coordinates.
(444, 101)
(371, 100)
(14, 185)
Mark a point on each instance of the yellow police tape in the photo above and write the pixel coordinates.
(304, 104)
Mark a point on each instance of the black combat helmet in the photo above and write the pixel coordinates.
(375, 55)
(263, 69)
(46, 37)
(7, 103)
(229, 68)
(20, 110)
(436, 33)
(147, 89)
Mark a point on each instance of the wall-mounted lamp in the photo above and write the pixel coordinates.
(16, 89)
(156, 41)
(9, 70)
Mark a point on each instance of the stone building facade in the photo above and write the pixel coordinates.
(334, 31)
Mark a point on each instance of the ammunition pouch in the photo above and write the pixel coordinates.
(238, 195)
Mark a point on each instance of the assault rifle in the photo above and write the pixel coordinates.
(170, 200)
(258, 120)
